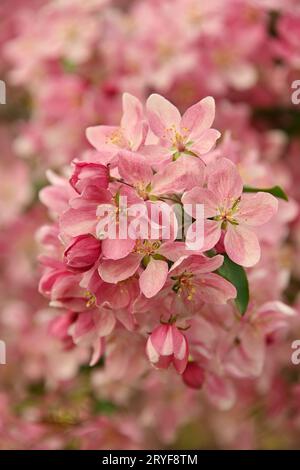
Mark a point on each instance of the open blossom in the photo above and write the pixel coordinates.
(194, 282)
(190, 133)
(227, 209)
(130, 135)
(167, 345)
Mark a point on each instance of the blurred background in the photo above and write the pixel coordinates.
(65, 65)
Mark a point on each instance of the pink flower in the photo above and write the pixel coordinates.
(194, 375)
(167, 345)
(89, 174)
(194, 282)
(228, 209)
(82, 253)
(190, 133)
(129, 135)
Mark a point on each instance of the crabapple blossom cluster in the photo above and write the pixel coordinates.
(156, 288)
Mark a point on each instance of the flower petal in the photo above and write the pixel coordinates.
(257, 209)
(205, 142)
(198, 118)
(242, 245)
(118, 248)
(132, 120)
(224, 181)
(199, 195)
(154, 277)
(214, 289)
(114, 271)
(101, 137)
(164, 118)
(179, 176)
(134, 168)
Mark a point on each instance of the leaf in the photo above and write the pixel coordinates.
(104, 407)
(236, 274)
(276, 191)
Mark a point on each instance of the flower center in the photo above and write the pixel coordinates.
(227, 214)
(184, 285)
(146, 247)
(91, 298)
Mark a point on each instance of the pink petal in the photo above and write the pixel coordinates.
(160, 340)
(163, 362)
(164, 118)
(180, 346)
(173, 250)
(117, 249)
(99, 137)
(154, 277)
(212, 234)
(206, 142)
(134, 168)
(225, 182)
(199, 195)
(132, 120)
(242, 245)
(214, 289)
(114, 271)
(198, 264)
(257, 209)
(198, 118)
(157, 155)
(179, 176)
(180, 364)
(76, 222)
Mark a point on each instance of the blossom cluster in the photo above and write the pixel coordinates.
(158, 288)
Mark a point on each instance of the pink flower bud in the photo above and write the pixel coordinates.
(89, 174)
(194, 375)
(167, 345)
(82, 253)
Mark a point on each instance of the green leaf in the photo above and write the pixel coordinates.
(276, 191)
(104, 407)
(236, 274)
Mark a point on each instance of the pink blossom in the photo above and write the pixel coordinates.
(190, 133)
(130, 135)
(194, 375)
(82, 253)
(228, 209)
(167, 345)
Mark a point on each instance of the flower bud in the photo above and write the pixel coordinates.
(89, 174)
(82, 253)
(194, 375)
(167, 345)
